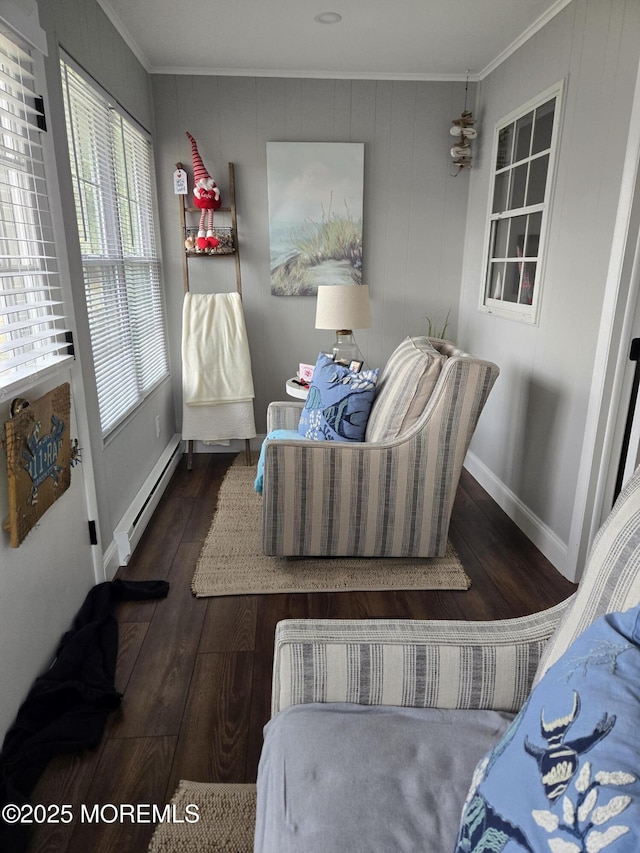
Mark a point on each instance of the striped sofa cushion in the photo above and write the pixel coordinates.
(404, 388)
(611, 580)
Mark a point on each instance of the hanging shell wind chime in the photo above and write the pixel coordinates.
(464, 129)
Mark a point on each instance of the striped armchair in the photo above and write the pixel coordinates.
(377, 725)
(451, 663)
(392, 494)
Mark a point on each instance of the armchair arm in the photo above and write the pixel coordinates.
(283, 415)
(412, 663)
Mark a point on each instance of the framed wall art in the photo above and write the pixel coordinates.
(315, 215)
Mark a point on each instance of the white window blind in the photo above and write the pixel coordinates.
(112, 173)
(32, 324)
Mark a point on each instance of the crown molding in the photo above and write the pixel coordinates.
(524, 37)
(117, 22)
(315, 75)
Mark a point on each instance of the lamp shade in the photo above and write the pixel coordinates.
(343, 306)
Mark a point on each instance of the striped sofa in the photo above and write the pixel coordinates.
(392, 494)
(455, 670)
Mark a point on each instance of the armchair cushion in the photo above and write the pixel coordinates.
(565, 777)
(346, 778)
(339, 401)
(404, 387)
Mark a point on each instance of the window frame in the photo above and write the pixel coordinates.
(113, 254)
(521, 312)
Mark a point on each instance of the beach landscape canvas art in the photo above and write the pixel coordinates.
(315, 215)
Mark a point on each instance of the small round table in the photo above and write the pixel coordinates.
(295, 390)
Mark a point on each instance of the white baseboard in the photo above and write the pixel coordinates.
(110, 561)
(542, 536)
(133, 523)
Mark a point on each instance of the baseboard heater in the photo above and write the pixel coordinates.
(132, 524)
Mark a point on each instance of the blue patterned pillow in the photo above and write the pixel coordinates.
(339, 401)
(565, 776)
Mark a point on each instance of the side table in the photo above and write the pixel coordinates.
(293, 389)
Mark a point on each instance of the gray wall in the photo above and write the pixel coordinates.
(414, 210)
(528, 442)
(122, 463)
(44, 581)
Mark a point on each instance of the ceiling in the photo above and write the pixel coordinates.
(375, 39)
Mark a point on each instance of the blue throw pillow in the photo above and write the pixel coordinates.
(275, 433)
(565, 776)
(338, 403)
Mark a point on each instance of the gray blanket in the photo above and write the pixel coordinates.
(347, 778)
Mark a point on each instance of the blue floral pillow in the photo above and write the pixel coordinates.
(338, 403)
(565, 776)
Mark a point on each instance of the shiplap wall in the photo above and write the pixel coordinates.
(414, 210)
(528, 442)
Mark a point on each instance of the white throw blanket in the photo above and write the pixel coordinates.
(216, 364)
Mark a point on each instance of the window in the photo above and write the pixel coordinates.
(523, 156)
(33, 337)
(112, 173)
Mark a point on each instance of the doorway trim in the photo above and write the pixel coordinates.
(611, 358)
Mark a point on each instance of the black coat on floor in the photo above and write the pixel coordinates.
(67, 707)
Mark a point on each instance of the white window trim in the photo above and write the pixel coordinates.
(529, 314)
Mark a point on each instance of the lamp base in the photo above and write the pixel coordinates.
(345, 349)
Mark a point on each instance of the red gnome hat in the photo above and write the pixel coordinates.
(199, 170)
(206, 196)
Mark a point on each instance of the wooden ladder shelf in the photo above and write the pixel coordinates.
(229, 245)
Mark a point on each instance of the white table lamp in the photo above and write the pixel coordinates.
(344, 307)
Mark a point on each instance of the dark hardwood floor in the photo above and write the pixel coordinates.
(196, 673)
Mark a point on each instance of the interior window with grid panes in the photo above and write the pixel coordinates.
(521, 181)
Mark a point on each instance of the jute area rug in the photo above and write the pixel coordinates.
(227, 817)
(232, 562)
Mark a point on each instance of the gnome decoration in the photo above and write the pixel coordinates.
(206, 196)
